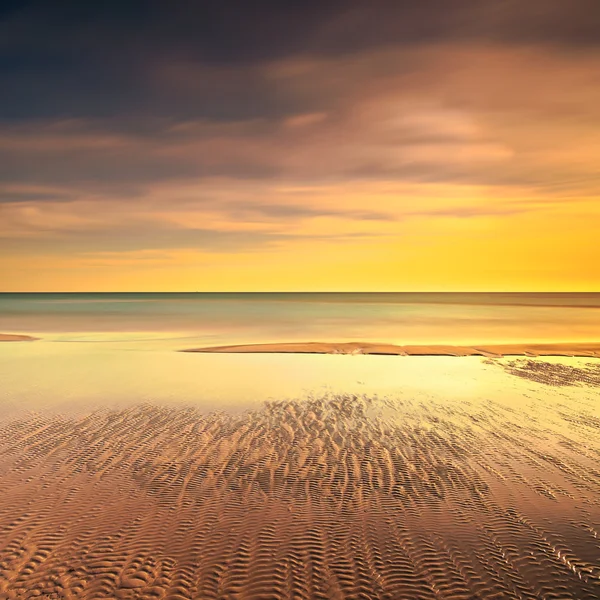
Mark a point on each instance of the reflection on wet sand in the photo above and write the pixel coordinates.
(336, 496)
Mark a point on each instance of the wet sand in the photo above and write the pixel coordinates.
(591, 349)
(555, 374)
(336, 496)
(11, 337)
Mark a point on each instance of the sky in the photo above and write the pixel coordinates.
(300, 145)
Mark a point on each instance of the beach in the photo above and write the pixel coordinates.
(132, 468)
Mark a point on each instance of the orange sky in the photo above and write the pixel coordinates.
(450, 164)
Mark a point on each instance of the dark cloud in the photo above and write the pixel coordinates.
(89, 159)
(81, 160)
(113, 98)
(65, 58)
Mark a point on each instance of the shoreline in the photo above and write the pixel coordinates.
(573, 349)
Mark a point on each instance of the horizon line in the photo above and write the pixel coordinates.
(302, 292)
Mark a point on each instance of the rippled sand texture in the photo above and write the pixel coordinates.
(555, 374)
(323, 498)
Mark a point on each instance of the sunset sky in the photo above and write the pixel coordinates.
(300, 145)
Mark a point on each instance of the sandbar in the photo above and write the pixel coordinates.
(584, 349)
(10, 337)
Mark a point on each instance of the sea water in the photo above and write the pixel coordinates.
(239, 318)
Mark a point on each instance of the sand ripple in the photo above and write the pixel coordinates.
(554, 374)
(334, 497)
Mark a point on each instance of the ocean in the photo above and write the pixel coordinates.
(239, 318)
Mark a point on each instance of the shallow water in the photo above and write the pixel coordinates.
(73, 377)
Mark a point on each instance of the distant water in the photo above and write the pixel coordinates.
(223, 318)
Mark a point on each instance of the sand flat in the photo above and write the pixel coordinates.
(12, 337)
(583, 349)
(337, 496)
